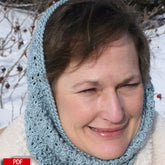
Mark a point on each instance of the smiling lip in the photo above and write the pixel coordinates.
(109, 133)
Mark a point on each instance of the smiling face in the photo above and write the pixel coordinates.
(100, 103)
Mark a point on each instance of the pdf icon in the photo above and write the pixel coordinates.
(16, 161)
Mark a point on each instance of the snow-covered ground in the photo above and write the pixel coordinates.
(16, 28)
(13, 63)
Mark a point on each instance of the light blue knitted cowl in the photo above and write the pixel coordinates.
(46, 139)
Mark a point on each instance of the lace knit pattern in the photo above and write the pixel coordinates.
(46, 139)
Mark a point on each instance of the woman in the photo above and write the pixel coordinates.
(90, 98)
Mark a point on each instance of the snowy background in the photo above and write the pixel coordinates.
(16, 27)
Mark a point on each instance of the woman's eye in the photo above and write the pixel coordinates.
(88, 90)
(131, 85)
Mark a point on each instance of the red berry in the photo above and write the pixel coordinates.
(7, 86)
(17, 28)
(3, 70)
(1, 79)
(32, 27)
(159, 22)
(19, 68)
(20, 44)
(159, 96)
(25, 30)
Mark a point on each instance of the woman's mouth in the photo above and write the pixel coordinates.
(109, 133)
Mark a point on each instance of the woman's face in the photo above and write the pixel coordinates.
(100, 103)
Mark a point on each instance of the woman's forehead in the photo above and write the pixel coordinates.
(98, 53)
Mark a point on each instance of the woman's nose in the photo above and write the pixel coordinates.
(112, 108)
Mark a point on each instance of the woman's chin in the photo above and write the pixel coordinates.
(110, 155)
(109, 150)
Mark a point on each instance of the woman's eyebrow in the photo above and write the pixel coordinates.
(89, 82)
(130, 78)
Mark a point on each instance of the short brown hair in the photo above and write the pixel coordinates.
(79, 27)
